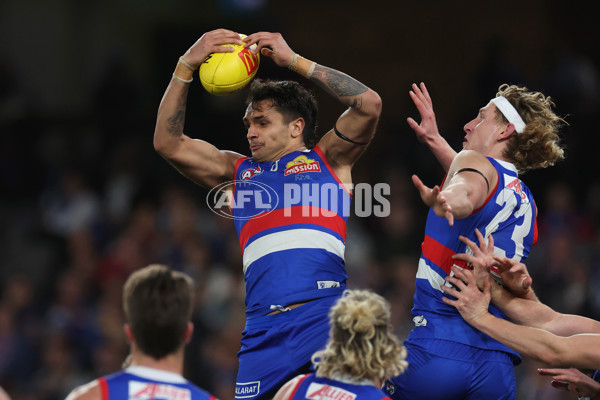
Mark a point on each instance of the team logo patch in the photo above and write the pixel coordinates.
(246, 390)
(420, 320)
(300, 165)
(327, 284)
(250, 173)
(317, 391)
(148, 390)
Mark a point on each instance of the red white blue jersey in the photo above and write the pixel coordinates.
(320, 388)
(141, 383)
(509, 214)
(290, 216)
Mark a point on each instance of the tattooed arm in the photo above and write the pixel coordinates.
(357, 124)
(198, 160)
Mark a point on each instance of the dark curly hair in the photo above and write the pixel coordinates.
(292, 100)
(538, 146)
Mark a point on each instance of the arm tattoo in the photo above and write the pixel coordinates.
(176, 121)
(339, 84)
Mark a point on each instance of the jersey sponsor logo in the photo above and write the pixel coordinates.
(247, 389)
(148, 390)
(250, 173)
(301, 164)
(327, 284)
(319, 391)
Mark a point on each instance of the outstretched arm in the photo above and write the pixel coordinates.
(470, 178)
(519, 303)
(357, 123)
(580, 351)
(197, 159)
(427, 131)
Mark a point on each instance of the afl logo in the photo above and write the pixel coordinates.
(242, 200)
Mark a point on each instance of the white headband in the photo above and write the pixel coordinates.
(509, 112)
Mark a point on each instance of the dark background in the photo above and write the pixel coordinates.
(86, 200)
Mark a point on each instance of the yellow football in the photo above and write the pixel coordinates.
(223, 73)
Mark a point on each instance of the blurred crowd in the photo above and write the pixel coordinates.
(86, 200)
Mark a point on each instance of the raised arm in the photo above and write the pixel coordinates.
(197, 159)
(427, 131)
(539, 315)
(357, 124)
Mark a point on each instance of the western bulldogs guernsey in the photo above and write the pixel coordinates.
(475, 365)
(137, 383)
(319, 388)
(509, 214)
(292, 227)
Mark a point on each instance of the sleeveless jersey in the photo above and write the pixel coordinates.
(509, 214)
(290, 216)
(320, 388)
(139, 383)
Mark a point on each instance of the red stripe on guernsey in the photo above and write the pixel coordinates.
(235, 172)
(290, 216)
(297, 386)
(238, 162)
(318, 150)
(535, 228)
(440, 255)
(492, 193)
(103, 388)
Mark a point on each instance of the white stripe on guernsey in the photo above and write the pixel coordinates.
(155, 374)
(292, 239)
(426, 272)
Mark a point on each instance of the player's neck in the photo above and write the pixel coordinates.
(287, 150)
(172, 362)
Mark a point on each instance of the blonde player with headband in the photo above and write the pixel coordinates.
(361, 353)
(515, 132)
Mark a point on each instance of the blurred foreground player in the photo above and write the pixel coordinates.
(158, 305)
(360, 355)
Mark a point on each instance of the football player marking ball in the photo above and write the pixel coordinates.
(223, 73)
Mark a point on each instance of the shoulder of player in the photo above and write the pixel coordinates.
(232, 156)
(469, 158)
(89, 391)
(287, 390)
(475, 160)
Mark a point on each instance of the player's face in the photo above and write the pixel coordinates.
(482, 132)
(268, 135)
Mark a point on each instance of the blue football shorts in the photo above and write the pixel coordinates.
(276, 348)
(441, 369)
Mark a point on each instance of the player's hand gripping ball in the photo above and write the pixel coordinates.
(223, 73)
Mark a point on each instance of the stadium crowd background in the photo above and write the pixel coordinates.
(86, 200)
